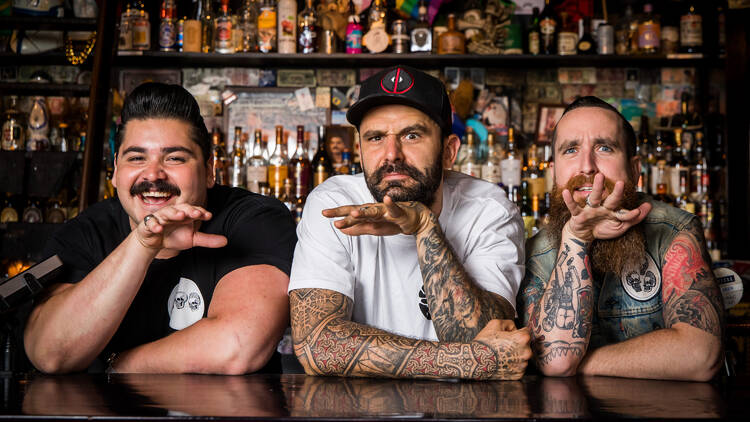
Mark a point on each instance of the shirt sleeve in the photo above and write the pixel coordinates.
(496, 260)
(322, 258)
(75, 244)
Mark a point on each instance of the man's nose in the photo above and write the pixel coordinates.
(153, 171)
(393, 150)
(588, 162)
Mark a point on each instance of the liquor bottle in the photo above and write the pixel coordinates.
(223, 30)
(421, 34)
(533, 174)
(278, 164)
(299, 206)
(537, 215)
(586, 44)
(353, 32)
(526, 212)
(470, 165)
(307, 31)
(548, 29)
(322, 166)
(141, 28)
(699, 170)
(8, 214)
(257, 165)
(643, 150)
(534, 38)
(649, 31)
(237, 176)
(679, 164)
(267, 27)
(168, 26)
(721, 28)
(452, 41)
(682, 201)
(300, 167)
(64, 141)
(670, 34)
(221, 173)
(207, 27)
(125, 40)
(191, 29)
(491, 170)
(511, 165)
(249, 25)
(32, 213)
(659, 156)
(14, 127)
(632, 23)
(691, 30)
(37, 137)
(346, 162)
(287, 26)
(662, 193)
(237, 34)
(567, 38)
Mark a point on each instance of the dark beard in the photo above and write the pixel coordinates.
(427, 183)
(610, 255)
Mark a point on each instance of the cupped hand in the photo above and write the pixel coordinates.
(381, 219)
(601, 219)
(511, 347)
(176, 227)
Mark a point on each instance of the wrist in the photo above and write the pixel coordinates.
(570, 234)
(427, 221)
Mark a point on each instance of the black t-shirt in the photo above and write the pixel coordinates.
(177, 292)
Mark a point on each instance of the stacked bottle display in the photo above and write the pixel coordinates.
(682, 163)
(280, 26)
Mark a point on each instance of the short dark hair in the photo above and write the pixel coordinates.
(626, 129)
(153, 100)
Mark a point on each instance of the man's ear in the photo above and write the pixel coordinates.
(211, 172)
(450, 150)
(114, 173)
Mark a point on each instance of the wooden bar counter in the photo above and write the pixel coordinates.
(292, 396)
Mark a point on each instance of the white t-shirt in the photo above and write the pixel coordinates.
(381, 274)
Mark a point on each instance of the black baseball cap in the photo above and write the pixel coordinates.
(407, 86)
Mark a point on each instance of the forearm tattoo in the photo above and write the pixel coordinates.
(560, 316)
(458, 307)
(327, 342)
(690, 293)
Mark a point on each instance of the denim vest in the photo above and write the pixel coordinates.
(627, 305)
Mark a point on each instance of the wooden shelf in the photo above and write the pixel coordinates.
(47, 23)
(162, 59)
(35, 88)
(51, 58)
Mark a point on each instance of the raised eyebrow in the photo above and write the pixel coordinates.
(608, 142)
(567, 144)
(371, 133)
(418, 127)
(169, 150)
(138, 150)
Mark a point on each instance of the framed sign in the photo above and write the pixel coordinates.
(547, 118)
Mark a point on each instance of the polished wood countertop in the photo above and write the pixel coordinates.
(293, 396)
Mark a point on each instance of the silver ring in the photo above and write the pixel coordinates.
(589, 204)
(146, 218)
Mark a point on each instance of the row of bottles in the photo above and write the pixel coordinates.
(36, 129)
(19, 208)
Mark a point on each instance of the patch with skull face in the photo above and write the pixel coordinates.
(642, 282)
(185, 304)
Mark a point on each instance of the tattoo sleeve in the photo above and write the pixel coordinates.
(327, 342)
(559, 315)
(690, 293)
(458, 306)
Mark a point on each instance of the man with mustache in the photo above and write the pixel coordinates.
(175, 274)
(617, 284)
(410, 270)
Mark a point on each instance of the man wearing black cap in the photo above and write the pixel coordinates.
(409, 270)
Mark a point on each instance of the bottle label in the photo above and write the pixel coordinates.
(354, 39)
(191, 36)
(267, 30)
(649, 35)
(141, 39)
(566, 43)
(511, 169)
(691, 30)
(421, 39)
(223, 32)
(307, 39)
(167, 34)
(547, 26)
(471, 169)
(534, 43)
(11, 136)
(492, 173)
(584, 46)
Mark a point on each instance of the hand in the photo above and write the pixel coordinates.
(599, 220)
(381, 219)
(176, 227)
(510, 345)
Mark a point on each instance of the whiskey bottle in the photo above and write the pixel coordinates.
(307, 31)
(511, 165)
(299, 166)
(567, 39)
(287, 26)
(223, 30)
(679, 166)
(267, 27)
(699, 170)
(125, 40)
(470, 165)
(649, 31)
(682, 200)
(491, 170)
(168, 26)
(662, 193)
(421, 34)
(221, 173)
(141, 28)
(534, 37)
(207, 27)
(278, 164)
(586, 44)
(322, 165)
(257, 165)
(237, 176)
(526, 212)
(191, 29)
(643, 150)
(14, 126)
(452, 41)
(249, 25)
(548, 29)
(691, 30)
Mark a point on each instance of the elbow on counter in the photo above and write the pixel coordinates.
(558, 367)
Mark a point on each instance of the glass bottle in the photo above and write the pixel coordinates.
(64, 143)
(237, 176)
(421, 34)
(470, 165)
(267, 27)
(662, 190)
(221, 174)
(586, 44)
(278, 164)
(37, 138)
(257, 165)
(534, 38)
(649, 31)
(223, 30)
(287, 26)
(567, 38)
(353, 32)
(526, 213)
(141, 28)
(691, 30)
(511, 165)
(491, 170)
(168, 26)
(548, 29)
(207, 27)
(699, 170)
(307, 31)
(452, 41)
(191, 29)
(249, 25)
(679, 165)
(125, 41)
(682, 201)
(14, 127)
(322, 165)
(300, 166)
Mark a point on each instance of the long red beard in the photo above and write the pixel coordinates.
(611, 255)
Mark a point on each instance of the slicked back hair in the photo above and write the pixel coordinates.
(626, 129)
(153, 100)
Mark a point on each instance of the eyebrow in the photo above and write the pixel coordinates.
(417, 127)
(165, 150)
(569, 143)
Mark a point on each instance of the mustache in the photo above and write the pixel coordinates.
(158, 185)
(579, 180)
(397, 167)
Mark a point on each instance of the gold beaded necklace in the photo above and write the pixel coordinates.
(78, 57)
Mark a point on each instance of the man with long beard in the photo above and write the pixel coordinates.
(634, 272)
(420, 279)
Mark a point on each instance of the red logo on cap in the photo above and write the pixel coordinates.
(397, 81)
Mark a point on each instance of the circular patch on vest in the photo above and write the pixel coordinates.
(185, 304)
(643, 282)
